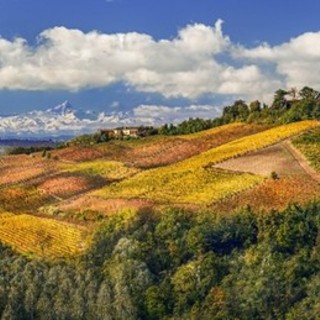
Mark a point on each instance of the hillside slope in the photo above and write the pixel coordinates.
(77, 187)
(195, 180)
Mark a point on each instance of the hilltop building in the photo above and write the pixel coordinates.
(122, 132)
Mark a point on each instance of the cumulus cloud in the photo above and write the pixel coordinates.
(158, 114)
(189, 65)
(297, 61)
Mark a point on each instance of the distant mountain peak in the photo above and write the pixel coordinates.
(62, 109)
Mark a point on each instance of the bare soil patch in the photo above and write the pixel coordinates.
(275, 158)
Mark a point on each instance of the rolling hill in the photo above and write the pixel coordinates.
(51, 205)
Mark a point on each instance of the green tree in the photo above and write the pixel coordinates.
(308, 93)
(279, 100)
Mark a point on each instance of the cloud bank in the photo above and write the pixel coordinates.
(200, 60)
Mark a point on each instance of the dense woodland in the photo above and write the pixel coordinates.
(177, 265)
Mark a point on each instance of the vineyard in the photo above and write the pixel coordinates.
(5, 214)
(67, 185)
(98, 205)
(110, 170)
(19, 199)
(22, 168)
(44, 201)
(272, 195)
(309, 145)
(200, 186)
(158, 150)
(78, 154)
(276, 158)
(43, 237)
(171, 150)
(247, 144)
(191, 180)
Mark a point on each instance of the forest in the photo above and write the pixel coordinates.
(175, 264)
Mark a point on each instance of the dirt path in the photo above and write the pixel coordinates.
(301, 160)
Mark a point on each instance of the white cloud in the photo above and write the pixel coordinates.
(297, 61)
(188, 65)
(157, 114)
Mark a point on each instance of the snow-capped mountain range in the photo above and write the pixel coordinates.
(64, 120)
(61, 120)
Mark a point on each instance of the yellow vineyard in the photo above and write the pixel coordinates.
(247, 144)
(44, 237)
(198, 186)
(193, 180)
(112, 170)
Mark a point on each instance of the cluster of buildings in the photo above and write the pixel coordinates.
(123, 132)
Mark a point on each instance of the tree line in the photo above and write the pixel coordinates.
(287, 106)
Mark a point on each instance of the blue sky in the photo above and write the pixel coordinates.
(239, 62)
